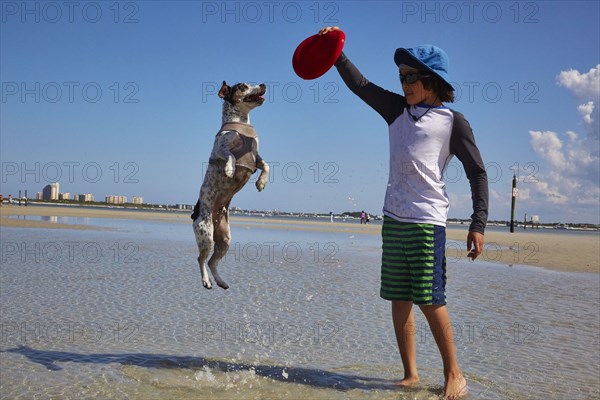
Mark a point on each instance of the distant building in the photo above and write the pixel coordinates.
(112, 199)
(64, 196)
(84, 197)
(50, 192)
(39, 196)
(137, 200)
(184, 207)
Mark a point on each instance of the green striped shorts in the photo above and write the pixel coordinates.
(413, 265)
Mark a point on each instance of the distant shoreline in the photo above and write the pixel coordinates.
(557, 251)
(585, 227)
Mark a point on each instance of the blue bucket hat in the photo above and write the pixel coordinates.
(426, 57)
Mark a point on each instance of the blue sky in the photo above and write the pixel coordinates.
(120, 98)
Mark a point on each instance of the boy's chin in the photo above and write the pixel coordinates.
(411, 99)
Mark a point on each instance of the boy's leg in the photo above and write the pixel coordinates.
(439, 323)
(404, 327)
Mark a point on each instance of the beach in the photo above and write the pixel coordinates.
(109, 303)
(554, 250)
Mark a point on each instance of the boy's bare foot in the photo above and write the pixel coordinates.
(408, 382)
(455, 387)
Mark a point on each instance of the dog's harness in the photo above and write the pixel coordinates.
(246, 155)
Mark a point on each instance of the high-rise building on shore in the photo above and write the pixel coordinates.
(51, 191)
(112, 199)
(84, 197)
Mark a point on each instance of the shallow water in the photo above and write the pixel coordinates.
(123, 314)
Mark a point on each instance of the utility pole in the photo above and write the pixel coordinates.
(513, 203)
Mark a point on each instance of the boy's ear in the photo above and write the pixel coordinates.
(225, 89)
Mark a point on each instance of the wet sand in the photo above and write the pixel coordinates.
(569, 252)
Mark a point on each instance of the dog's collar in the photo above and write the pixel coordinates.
(239, 127)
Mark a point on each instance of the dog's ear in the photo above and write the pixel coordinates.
(225, 89)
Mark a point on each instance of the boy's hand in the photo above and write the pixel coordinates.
(474, 244)
(328, 29)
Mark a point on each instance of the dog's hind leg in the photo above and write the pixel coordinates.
(222, 238)
(203, 229)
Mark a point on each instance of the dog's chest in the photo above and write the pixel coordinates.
(242, 142)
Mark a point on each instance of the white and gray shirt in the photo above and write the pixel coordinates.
(420, 152)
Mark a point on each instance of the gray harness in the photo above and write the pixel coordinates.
(246, 154)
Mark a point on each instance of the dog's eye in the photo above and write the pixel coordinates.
(242, 87)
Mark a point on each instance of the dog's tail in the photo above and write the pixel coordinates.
(196, 211)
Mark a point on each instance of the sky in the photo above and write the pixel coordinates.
(120, 98)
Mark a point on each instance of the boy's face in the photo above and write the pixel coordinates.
(415, 93)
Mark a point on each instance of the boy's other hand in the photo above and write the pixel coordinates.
(474, 244)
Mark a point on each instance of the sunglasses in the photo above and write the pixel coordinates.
(412, 78)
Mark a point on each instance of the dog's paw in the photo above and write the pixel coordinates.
(260, 185)
(230, 167)
(207, 284)
(223, 284)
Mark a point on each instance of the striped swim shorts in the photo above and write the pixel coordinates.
(413, 265)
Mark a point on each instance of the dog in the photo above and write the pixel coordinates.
(233, 160)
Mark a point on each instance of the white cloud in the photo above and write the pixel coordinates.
(568, 177)
(571, 173)
(586, 89)
(586, 111)
(572, 135)
(548, 146)
(583, 86)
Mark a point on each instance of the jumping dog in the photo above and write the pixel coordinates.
(233, 160)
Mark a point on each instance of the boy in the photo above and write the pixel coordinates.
(424, 135)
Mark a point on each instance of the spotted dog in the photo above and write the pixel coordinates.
(234, 158)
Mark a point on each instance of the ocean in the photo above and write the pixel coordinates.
(122, 314)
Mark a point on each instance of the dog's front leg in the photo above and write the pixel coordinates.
(222, 151)
(230, 166)
(261, 164)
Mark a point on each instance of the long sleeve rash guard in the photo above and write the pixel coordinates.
(420, 152)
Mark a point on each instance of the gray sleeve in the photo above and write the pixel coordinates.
(388, 104)
(462, 144)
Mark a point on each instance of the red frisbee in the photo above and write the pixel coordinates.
(316, 54)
